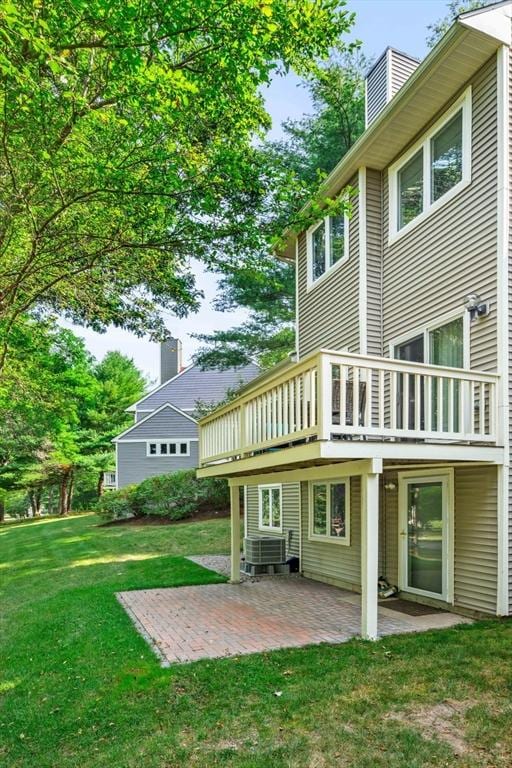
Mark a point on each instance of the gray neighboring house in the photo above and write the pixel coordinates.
(164, 436)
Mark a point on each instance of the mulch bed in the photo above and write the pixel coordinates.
(203, 514)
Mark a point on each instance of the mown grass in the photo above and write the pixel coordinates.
(79, 687)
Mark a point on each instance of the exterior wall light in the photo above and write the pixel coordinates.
(475, 306)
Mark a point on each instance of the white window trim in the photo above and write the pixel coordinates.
(345, 541)
(425, 330)
(261, 489)
(424, 143)
(167, 455)
(325, 222)
(446, 476)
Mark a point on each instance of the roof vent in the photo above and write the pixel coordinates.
(384, 79)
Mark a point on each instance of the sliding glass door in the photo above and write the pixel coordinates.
(440, 345)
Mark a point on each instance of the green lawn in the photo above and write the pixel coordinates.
(80, 688)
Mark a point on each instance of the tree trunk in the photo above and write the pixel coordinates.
(2, 510)
(32, 497)
(49, 500)
(71, 488)
(99, 486)
(63, 496)
(35, 502)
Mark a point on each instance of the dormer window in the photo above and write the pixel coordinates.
(327, 246)
(435, 169)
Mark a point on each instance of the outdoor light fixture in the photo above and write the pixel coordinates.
(475, 306)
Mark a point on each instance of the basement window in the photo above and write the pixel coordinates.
(329, 511)
(435, 169)
(327, 246)
(270, 508)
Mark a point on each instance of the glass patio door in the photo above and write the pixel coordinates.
(414, 352)
(446, 347)
(424, 536)
(442, 345)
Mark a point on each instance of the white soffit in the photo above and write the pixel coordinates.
(491, 20)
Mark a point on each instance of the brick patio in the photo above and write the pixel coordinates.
(216, 620)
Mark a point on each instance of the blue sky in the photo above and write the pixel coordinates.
(379, 23)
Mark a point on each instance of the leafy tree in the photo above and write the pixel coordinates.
(59, 410)
(119, 384)
(311, 148)
(455, 7)
(127, 144)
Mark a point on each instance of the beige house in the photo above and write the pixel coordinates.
(383, 448)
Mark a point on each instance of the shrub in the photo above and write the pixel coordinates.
(115, 505)
(175, 496)
(180, 494)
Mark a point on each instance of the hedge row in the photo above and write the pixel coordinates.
(174, 496)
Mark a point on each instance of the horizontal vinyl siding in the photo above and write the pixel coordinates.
(133, 465)
(334, 562)
(166, 424)
(476, 550)
(510, 336)
(389, 528)
(374, 261)
(291, 515)
(328, 315)
(475, 536)
(427, 271)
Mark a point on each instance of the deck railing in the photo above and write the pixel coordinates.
(342, 395)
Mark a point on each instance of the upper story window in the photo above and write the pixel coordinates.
(433, 170)
(179, 448)
(327, 246)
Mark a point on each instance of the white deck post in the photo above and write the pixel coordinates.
(369, 554)
(234, 493)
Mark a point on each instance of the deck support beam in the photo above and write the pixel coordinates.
(369, 554)
(234, 493)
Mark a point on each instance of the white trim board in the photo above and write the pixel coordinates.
(464, 103)
(503, 338)
(446, 477)
(261, 489)
(162, 438)
(327, 538)
(159, 441)
(239, 471)
(424, 330)
(363, 264)
(311, 283)
(150, 416)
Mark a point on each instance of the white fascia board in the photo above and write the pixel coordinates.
(493, 21)
(150, 416)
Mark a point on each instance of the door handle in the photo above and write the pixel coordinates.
(403, 533)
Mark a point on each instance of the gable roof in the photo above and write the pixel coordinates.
(193, 384)
(462, 51)
(152, 415)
